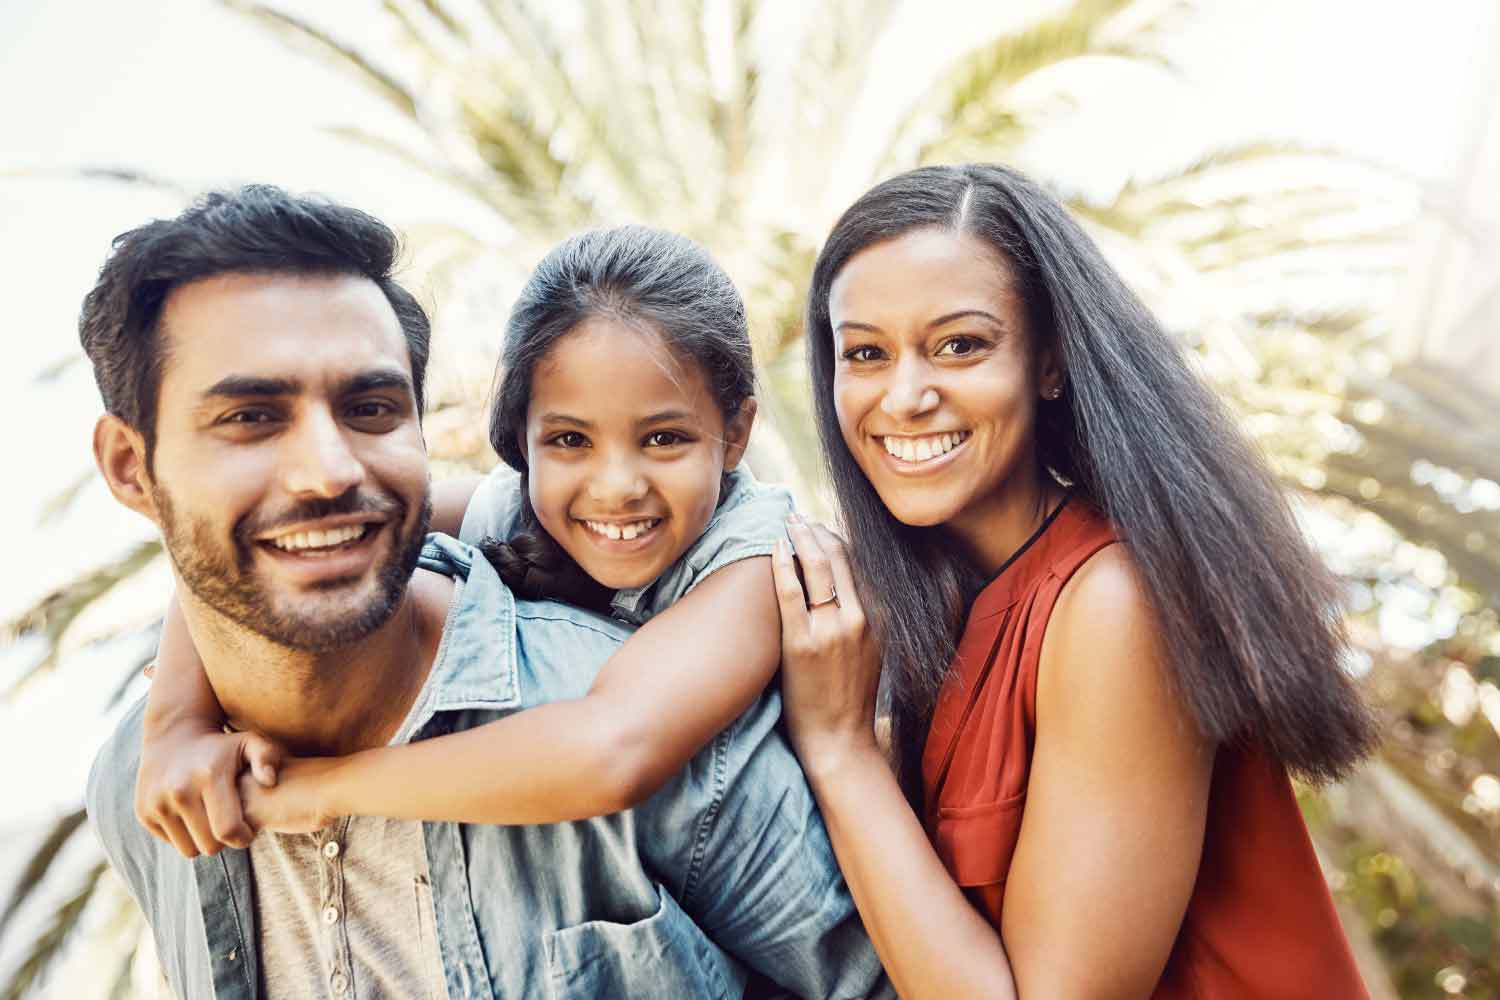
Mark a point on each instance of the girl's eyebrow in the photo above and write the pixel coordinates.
(666, 416)
(563, 418)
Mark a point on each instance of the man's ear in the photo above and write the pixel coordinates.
(120, 454)
(737, 433)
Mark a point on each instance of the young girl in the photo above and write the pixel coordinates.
(623, 406)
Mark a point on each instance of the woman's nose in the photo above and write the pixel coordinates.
(910, 392)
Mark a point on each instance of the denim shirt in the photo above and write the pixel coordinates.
(749, 519)
(728, 867)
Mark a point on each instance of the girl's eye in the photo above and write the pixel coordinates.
(663, 439)
(570, 439)
(958, 347)
(862, 353)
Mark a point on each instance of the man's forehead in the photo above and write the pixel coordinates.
(308, 329)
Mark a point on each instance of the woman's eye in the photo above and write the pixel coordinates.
(570, 439)
(957, 347)
(865, 353)
(663, 439)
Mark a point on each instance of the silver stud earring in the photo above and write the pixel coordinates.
(1054, 393)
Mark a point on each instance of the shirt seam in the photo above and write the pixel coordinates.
(710, 815)
(239, 929)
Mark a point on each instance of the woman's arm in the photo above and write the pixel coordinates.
(682, 677)
(450, 498)
(931, 941)
(1114, 813)
(185, 790)
(1116, 802)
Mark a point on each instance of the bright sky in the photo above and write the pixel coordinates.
(187, 90)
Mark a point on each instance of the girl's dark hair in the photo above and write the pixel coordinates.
(1250, 616)
(646, 278)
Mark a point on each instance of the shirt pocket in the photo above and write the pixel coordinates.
(976, 842)
(664, 955)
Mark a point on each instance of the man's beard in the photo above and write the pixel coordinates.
(224, 578)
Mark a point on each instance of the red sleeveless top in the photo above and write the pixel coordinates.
(1260, 922)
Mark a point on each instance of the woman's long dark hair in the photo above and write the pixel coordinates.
(645, 278)
(1250, 616)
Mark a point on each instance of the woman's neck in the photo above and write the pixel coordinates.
(992, 531)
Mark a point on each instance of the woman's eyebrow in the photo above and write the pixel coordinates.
(965, 314)
(852, 324)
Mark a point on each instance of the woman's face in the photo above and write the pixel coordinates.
(935, 383)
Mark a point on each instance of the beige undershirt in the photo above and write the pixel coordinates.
(346, 913)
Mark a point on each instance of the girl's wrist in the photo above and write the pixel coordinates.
(827, 756)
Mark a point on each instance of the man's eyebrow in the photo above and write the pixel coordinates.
(378, 378)
(239, 386)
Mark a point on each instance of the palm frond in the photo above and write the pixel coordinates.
(52, 616)
(41, 859)
(50, 944)
(308, 37)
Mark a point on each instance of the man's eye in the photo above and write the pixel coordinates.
(569, 439)
(664, 439)
(957, 347)
(247, 417)
(371, 408)
(865, 353)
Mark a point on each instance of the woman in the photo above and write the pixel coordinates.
(1098, 742)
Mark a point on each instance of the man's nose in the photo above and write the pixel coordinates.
(910, 392)
(320, 460)
(617, 482)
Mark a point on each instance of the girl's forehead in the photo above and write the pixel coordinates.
(608, 364)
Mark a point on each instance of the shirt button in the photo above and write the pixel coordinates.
(330, 914)
(331, 850)
(339, 982)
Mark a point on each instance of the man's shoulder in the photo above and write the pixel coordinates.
(110, 794)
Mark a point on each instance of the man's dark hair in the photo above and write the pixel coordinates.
(257, 229)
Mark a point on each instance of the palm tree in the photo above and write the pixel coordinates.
(691, 115)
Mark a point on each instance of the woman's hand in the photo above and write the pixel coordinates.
(300, 802)
(830, 661)
(185, 790)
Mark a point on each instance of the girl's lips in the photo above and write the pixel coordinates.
(622, 546)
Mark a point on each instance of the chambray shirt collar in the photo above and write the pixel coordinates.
(476, 664)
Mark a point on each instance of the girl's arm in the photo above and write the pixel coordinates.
(1115, 802)
(185, 791)
(450, 498)
(681, 678)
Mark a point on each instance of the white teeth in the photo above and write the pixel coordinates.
(923, 448)
(303, 540)
(627, 531)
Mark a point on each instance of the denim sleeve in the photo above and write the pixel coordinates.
(758, 873)
(495, 507)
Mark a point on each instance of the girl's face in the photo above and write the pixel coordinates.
(935, 384)
(625, 447)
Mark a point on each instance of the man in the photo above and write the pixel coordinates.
(262, 376)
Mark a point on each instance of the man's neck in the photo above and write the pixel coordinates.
(328, 703)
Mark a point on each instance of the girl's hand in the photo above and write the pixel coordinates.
(186, 788)
(299, 801)
(830, 661)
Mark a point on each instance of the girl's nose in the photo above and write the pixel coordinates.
(618, 483)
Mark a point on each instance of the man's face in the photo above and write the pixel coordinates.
(290, 473)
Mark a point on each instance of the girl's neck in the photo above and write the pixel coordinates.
(992, 532)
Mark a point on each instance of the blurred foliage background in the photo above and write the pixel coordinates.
(1283, 267)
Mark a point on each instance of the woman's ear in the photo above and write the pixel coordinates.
(120, 454)
(737, 433)
(1050, 377)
